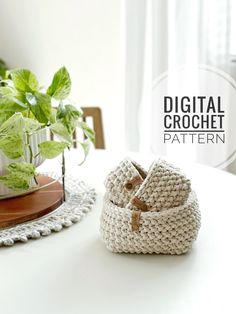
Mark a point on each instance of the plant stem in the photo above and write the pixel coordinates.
(35, 156)
(29, 147)
(35, 180)
(63, 171)
(30, 153)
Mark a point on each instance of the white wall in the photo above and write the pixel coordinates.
(83, 35)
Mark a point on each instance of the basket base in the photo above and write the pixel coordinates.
(31, 206)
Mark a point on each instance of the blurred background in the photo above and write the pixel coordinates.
(84, 36)
(116, 50)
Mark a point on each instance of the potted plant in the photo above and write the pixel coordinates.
(3, 69)
(27, 114)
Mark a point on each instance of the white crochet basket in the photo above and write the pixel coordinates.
(149, 212)
(170, 231)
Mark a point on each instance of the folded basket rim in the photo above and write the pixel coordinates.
(192, 198)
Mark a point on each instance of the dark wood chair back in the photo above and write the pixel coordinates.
(96, 114)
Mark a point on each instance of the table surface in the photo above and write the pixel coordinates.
(72, 271)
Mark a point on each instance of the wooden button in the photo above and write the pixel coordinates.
(129, 186)
(134, 182)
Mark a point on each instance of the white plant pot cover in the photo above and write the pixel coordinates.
(35, 139)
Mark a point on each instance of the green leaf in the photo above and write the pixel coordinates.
(40, 105)
(3, 69)
(18, 175)
(24, 80)
(61, 84)
(14, 182)
(86, 147)
(69, 116)
(53, 116)
(4, 116)
(23, 169)
(7, 91)
(31, 125)
(89, 133)
(11, 136)
(11, 104)
(61, 132)
(12, 125)
(12, 145)
(14, 100)
(51, 149)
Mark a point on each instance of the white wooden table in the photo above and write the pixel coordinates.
(72, 272)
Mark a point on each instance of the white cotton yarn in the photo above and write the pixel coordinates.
(168, 220)
(117, 179)
(164, 187)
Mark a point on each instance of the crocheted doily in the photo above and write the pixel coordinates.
(79, 201)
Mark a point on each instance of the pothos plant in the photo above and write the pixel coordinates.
(3, 69)
(25, 108)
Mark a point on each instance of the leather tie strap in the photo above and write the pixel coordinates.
(139, 204)
(136, 220)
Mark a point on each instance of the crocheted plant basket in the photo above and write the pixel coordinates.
(158, 214)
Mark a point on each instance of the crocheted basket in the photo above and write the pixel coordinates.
(159, 214)
(170, 231)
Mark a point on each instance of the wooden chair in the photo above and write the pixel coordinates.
(96, 114)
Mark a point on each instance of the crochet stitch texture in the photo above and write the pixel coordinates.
(167, 224)
(117, 179)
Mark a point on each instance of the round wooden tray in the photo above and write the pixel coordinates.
(31, 206)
